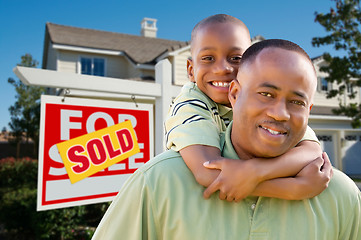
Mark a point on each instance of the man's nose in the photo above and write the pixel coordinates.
(278, 110)
(223, 67)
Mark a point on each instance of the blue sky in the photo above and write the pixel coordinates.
(22, 25)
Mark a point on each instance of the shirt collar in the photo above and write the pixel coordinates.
(226, 144)
(223, 110)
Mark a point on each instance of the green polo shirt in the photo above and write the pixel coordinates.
(162, 200)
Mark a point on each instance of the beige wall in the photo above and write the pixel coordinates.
(134, 72)
(116, 66)
(180, 68)
(320, 96)
(179, 63)
(51, 61)
(67, 61)
(146, 72)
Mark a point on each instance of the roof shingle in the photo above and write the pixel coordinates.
(138, 48)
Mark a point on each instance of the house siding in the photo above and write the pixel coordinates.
(180, 68)
(117, 67)
(321, 100)
(320, 96)
(148, 73)
(51, 63)
(67, 61)
(134, 72)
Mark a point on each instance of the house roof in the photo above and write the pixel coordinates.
(139, 49)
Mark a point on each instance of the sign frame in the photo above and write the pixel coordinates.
(84, 102)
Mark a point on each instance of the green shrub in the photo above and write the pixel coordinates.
(19, 218)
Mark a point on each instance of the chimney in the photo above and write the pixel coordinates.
(149, 27)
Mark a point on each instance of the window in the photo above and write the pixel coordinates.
(92, 66)
(349, 88)
(323, 85)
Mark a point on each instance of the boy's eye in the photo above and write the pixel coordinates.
(207, 58)
(236, 59)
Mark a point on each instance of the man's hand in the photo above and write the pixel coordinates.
(236, 180)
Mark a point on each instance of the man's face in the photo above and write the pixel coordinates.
(271, 103)
(216, 53)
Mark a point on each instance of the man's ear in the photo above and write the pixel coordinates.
(234, 91)
(311, 107)
(190, 70)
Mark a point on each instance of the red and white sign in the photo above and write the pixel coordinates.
(63, 119)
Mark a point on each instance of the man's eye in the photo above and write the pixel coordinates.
(297, 102)
(266, 94)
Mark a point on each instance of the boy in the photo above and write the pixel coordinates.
(202, 111)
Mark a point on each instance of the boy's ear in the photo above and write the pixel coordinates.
(234, 91)
(190, 70)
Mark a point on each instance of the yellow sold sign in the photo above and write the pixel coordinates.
(93, 152)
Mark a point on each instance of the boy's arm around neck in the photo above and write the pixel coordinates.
(237, 180)
(289, 163)
(194, 156)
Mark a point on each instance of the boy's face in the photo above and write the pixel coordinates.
(216, 53)
(271, 103)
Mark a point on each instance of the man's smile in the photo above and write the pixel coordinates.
(273, 132)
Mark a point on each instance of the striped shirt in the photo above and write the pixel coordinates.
(194, 118)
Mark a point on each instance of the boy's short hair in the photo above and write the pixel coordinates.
(251, 53)
(218, 18)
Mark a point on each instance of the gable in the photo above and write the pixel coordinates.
(138, 49)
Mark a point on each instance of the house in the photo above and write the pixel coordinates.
(115, 55)
(124, 56)
(335, 133)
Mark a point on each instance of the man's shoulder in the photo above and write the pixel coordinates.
(166, 161)
(165, 171)
(342, 185)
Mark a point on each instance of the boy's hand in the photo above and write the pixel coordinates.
(314, 177)
(236, 180)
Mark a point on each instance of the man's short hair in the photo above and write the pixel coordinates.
(251, 53)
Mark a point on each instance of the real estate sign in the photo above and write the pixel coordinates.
(102, 143)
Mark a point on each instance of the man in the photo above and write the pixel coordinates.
(271, 102)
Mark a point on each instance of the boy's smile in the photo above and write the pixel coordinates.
(221, 84)
(216, 53)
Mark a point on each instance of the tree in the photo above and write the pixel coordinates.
(25, 113)
(343, 25)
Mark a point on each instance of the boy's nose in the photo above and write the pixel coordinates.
(223, 67)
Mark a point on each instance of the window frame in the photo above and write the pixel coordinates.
(321, 85)
(92, 58)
